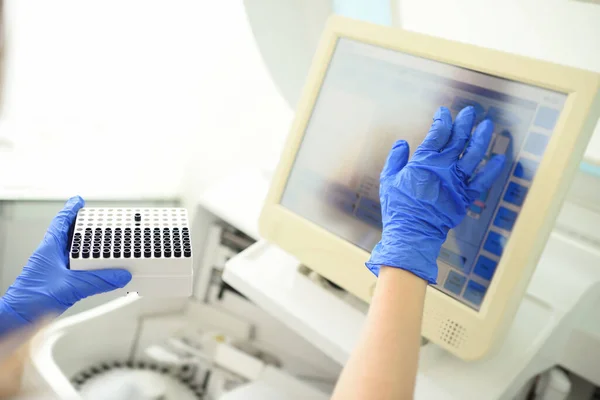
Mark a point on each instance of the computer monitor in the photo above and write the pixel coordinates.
(370, 86)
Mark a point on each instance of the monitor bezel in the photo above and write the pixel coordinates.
(462, 330)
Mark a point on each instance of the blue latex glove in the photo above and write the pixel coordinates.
(46, 287)
(423, 199)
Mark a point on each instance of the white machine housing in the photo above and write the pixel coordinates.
(153, 244)
(467, 333)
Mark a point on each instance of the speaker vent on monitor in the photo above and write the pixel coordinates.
(452, 333)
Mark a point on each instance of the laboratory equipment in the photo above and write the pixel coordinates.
(204, 346)
(371, 85)
(154, 244)
(287, 43)
(123, 379)
(158, 349)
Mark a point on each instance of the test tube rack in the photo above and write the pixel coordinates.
(154, 244)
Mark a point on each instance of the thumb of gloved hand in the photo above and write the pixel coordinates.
(397, 159)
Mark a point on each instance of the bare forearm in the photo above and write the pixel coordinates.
(11, 372)
(384, 363)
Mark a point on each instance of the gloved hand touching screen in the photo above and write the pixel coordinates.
(422, 199)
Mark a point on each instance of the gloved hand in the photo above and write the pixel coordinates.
(423, 199)
(46, 287)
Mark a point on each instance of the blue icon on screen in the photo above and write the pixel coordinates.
(526, 169)
(485, 267)
(505, 219)
(495, 243)
(475, 292)
(546, 118)
(515, 194)
(536, 143)
(455, 282)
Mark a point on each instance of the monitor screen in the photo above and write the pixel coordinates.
(370, 98)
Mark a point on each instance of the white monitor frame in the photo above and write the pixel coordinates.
(467, 333)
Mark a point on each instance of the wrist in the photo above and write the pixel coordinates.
(398, 274)
(10, 320)
(409, 251)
